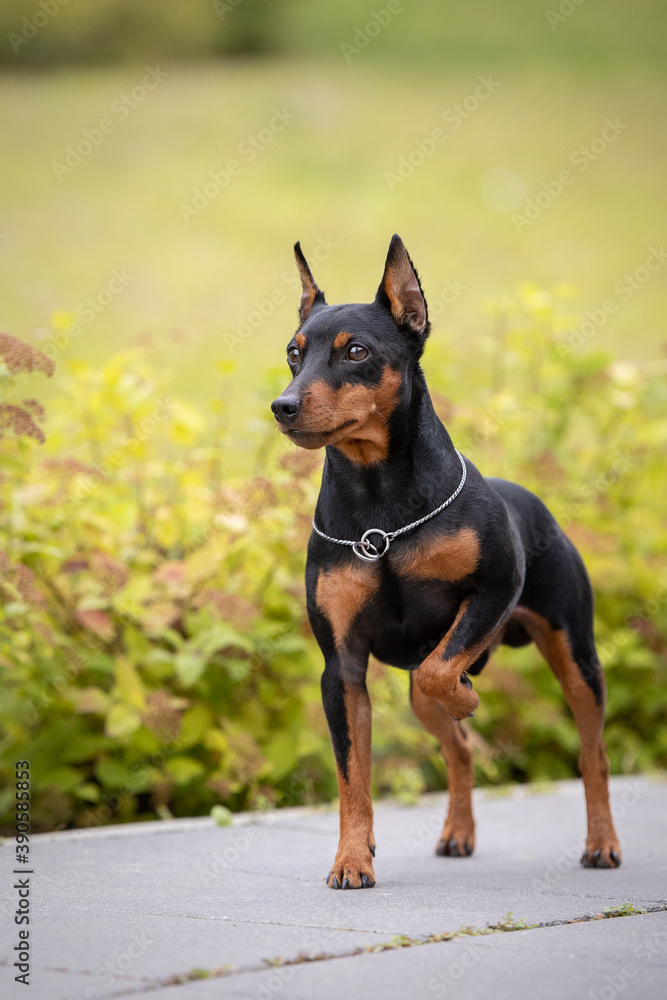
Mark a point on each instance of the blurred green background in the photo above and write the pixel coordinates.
(115, 235)
(323, 176)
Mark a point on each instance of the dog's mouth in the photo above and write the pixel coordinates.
(315, 439)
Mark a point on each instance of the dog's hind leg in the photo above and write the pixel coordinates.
(581, 677)
(458, 835)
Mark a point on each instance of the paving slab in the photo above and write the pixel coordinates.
(601, 960)
(121, 910)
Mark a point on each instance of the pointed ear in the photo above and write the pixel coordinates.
(310, 294)
(400, 291)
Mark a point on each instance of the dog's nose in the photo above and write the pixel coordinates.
(286, 408)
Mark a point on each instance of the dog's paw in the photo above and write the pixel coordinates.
(458, 698)
(353, 870)
(462, 701)
(457, 840)
(605, 854)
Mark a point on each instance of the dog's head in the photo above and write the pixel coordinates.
(351, 364)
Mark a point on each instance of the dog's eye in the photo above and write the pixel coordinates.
(293, 355)
(356, 352)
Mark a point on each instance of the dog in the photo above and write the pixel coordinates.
(418, 559)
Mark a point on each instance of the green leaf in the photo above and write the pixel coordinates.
(121, 721)
(184, 769)
(88, 792)
(222, 816)
(113, 774)
(194, 725)
(189, 666)
(128, 683)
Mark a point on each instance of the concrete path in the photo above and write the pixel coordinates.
(150, 909)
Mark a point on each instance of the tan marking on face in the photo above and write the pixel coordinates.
(342, 592)
(451, 557)
(367, 440)
(364, 409)
(300, 341)
(341, 339)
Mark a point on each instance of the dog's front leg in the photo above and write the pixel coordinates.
(348, 711)
(442, 674)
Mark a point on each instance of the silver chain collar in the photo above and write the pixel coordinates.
(370, 552)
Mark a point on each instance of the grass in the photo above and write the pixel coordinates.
(322, 178)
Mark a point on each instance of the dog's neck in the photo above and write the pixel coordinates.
(420, 471)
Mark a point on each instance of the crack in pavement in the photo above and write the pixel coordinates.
(226, 972)
(275, 923)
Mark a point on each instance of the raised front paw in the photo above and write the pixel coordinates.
(458, 697)
(353, 869)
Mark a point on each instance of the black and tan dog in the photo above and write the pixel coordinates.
(435, 599)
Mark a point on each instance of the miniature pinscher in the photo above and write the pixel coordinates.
(417, 558)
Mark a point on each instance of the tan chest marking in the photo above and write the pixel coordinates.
(450, 558)
(341, 593)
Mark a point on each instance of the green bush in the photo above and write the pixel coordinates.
(56, 32)
(155, 656)
(50, 33)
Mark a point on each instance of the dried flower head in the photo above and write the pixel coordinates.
(18, 582)
(109, 572)
(236, 610)
(21, 357)
(19, 420)
(34, 408)
(160, 716)
(69, 467)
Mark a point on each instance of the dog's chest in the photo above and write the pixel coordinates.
(402, 605)
(408, 618)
